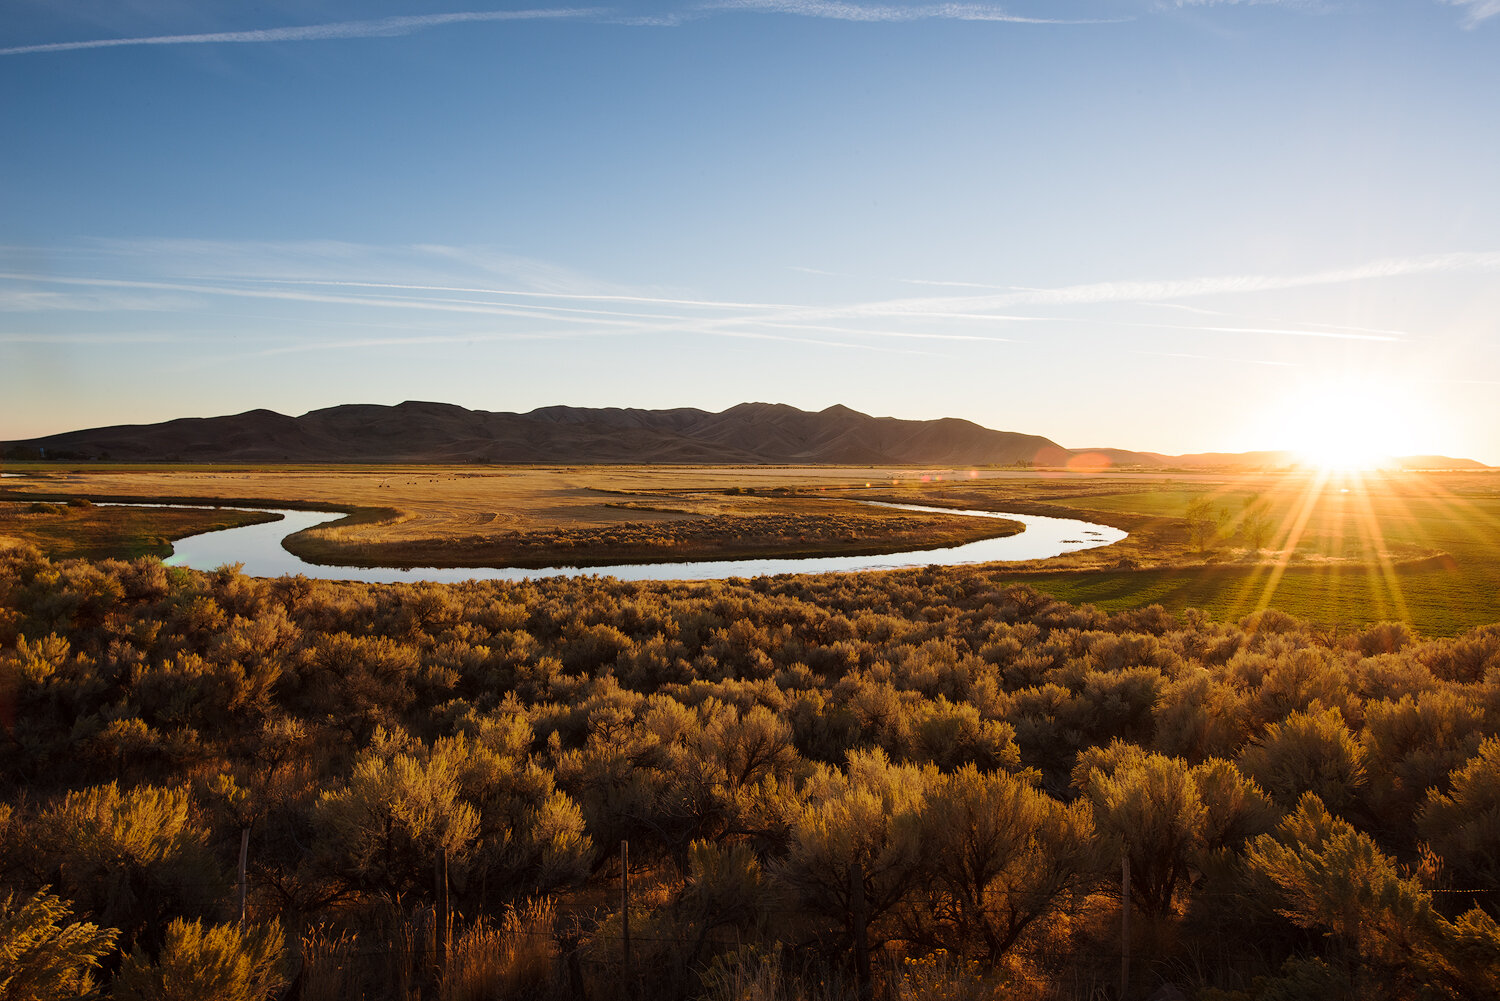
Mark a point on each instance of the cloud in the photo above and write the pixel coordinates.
(838, 11)
(1340, 335)
(52, 337)
(595, 322)
(602, 297)
(395, 26)
(1217, 359)
(1186, 288)
(1478, 10)
(385, 27)
(1233, 3)
(248, 272)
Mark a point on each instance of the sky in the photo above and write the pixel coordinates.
(1167, 225)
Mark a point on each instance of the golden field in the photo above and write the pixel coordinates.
(1337, 548)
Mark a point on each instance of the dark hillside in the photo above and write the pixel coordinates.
(437, 432)
(417, 432)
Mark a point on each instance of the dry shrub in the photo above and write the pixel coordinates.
(207, 963)
(511, 961)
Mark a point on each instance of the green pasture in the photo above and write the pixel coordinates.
(1424, 550)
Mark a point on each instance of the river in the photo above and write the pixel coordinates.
(259, 549)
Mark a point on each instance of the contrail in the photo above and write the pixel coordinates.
(647, 300)
(838, 11)
(1150, 291)
(385, 27)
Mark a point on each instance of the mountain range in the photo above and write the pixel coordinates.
(416, 432)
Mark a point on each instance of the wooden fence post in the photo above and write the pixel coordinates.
(1125, 924)
(861, 919)
(443, 915)
(625, 916)
(244, 862)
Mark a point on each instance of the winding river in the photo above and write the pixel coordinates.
(259, 548)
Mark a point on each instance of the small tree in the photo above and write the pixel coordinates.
(1256, 524)
(1204, 523)
(865, 817)
(1000, 855)
(1148, 805)
(397, 814)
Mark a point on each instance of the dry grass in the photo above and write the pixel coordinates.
(512, 961)
(1419, 547)
(487, 516)
(88, 532)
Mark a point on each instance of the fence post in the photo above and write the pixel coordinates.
(244, 861)
(444, 916)
(861, 945)
(1125, 924)
(625, 915)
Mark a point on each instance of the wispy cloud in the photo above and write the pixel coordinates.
(752, 324)
(385, 27)
(509, 311)
(649, 300)
(837, 11)
(1238, 3)
(390, 27)
(1187, 288)
(53, 338)
(1476, 10)
(1217, 359)
(1338, 335)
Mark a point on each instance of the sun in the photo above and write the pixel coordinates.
(1348, 424)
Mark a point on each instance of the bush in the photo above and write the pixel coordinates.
(41, 958)
(207, 963)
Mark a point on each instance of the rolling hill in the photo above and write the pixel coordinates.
(420, 432)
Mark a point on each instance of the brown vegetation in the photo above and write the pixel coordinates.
(455, 516)
(934, 762)
(87, 531)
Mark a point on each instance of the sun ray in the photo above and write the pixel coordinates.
(1373, 537)
(1288, 543)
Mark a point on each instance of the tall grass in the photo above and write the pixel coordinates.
(512, 960)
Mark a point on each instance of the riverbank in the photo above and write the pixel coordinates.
(445, 516)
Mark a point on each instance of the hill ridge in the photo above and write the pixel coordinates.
(422, 431)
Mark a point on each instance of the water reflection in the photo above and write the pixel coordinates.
(259, 548)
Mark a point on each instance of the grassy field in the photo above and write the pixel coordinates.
(89, 532)
(1423, 548)
(537, 516)
(1343, 550)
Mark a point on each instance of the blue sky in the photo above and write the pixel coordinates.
(1178, 226)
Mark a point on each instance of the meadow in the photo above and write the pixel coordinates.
(537, 516)
(1342, 550)
(80, 529)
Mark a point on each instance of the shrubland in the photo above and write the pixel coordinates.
(436, 782)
